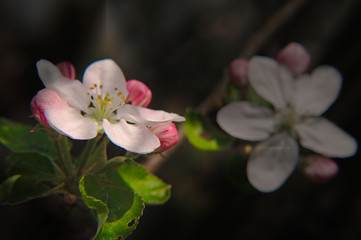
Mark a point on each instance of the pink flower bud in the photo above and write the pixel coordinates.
(295, 57)
(320, 169)
(67, 69)
(138, 93)
(167, 135)
(238, 70)
(42, 100)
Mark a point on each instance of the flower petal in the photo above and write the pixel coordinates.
(146, 116)
(264, 76)
(131, 137)
(324, 137)
(72, 91)
(272, 162)
(70, 122)
(104, 77)
(41, 101)
(246, 121)
(48, 72)
(315, 93)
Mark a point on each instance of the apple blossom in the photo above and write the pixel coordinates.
(98, 104)
(298, 103)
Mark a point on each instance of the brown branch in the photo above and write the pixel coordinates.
(284, 14)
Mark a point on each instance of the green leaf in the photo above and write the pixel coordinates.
(255, 98)
(203, 135)
(152, 189)
(232, 94)
(124, 226)
(32, 175)
(19, 138)
(98, 205)
(118, 207)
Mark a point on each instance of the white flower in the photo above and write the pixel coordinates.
(298, 103)
(98, 105)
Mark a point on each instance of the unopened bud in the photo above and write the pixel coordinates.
(238, 70)
(320, 169)
(67, 69)
(42, 100)
(295, 57)
(167, 135)
(138, 93)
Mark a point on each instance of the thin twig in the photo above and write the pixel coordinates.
(284, 14)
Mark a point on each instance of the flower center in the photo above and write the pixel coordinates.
(104, 105)
(286, 119)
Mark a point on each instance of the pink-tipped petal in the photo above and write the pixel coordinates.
(41, 101)
(238, 70)
(67, 69)
(167, 135)
(320, 169)
(295, 57)
(70, 122)
(131, 137)
(138, 93)
(69, 90)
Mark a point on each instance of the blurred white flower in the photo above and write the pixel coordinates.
(298, 103)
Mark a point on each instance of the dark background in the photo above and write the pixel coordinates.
(180, 50)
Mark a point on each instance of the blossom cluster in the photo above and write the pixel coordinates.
(298, 99)
(104, 102)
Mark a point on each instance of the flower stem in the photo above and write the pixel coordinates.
(87, 152)
(60, 152)
(66, 155)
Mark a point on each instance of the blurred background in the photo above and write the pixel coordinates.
(180, 49)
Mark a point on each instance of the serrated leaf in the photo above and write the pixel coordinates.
(18, 138)
(203, 135)
(109, 191)
(31, 175)
(152, 189)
